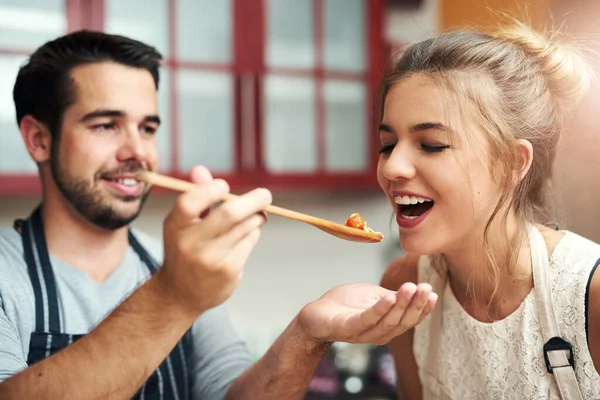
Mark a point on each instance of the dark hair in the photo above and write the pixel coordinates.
(44, 89)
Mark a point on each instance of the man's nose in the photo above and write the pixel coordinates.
(132, 145)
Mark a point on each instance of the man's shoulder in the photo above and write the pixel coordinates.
(13, 269)
(11, 247)
(8, 235)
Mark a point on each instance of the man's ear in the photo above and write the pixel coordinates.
(526, 151)
(37, 138)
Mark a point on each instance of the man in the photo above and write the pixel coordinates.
(85, 310)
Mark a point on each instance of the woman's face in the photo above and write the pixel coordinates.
(439, 183)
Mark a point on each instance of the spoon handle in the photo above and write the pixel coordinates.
(184, 186)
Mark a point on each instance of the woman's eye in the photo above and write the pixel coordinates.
(386, 148)
(434, 148)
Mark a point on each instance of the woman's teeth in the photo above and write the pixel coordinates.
(410, 216)
(408, 200)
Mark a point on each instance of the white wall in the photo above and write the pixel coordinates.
(410, 25)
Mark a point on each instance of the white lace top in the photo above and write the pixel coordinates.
(504, 359)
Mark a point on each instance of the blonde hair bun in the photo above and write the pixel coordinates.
(568, 73)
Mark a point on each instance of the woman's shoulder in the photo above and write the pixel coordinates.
(410, 268)
(574, 249)
(401, 270)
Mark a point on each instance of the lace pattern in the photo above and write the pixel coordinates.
(504, 359)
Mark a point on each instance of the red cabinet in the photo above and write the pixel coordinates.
(276, 93)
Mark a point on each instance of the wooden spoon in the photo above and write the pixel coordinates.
(338, 230)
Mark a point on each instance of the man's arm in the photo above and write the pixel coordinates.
(204, 258)
(218, 356)
(114, 359)
(12, 359)
(284, 372)
(358, 313)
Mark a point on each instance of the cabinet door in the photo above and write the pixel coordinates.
(289, 87)
(315, 87)
(344, 88)
(148, 21)
(205, 89)
(346, 128)
(196, 91)
(24, 26)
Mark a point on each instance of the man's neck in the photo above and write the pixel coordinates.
(79, 243)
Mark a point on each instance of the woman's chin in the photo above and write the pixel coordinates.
(414, 244)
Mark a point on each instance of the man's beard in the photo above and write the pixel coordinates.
(89, 202)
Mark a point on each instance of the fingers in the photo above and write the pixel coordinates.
(413, 304)
(431, 302)
(190, 205)
(237, 257)
(391, 320)
(359, 322)
(417, 305)
(222, 246)
(234, 211)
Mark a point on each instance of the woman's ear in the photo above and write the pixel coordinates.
(37, 138)
(526, 152)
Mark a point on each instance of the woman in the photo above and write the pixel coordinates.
(468, 134)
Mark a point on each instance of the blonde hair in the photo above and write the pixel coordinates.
(518, 84)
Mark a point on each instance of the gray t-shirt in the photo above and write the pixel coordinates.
(218, 355)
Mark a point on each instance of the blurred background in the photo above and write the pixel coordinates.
(279, 94)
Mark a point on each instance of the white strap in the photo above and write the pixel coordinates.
(435, 330)
(557, 351)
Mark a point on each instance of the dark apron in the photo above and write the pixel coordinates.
(169, 381)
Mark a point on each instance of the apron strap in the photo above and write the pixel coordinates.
(28, 252)
(435, 327)
(40, 272)
(39, 267)
(169, 381)
(558, 353)
(142, 253)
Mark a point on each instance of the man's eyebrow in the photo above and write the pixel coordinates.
(153, 118)
(425, 126)
(115, 114)
(102, 113)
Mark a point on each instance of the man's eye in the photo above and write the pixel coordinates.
(149, 129)
(104, 127)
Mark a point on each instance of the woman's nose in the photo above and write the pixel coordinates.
(399, 165)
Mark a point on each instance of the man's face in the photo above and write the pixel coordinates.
(107, 135)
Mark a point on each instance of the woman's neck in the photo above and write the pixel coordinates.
(489, 290)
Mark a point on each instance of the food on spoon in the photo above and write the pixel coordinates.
(357, 221)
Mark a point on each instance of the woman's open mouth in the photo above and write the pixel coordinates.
(411, 210)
